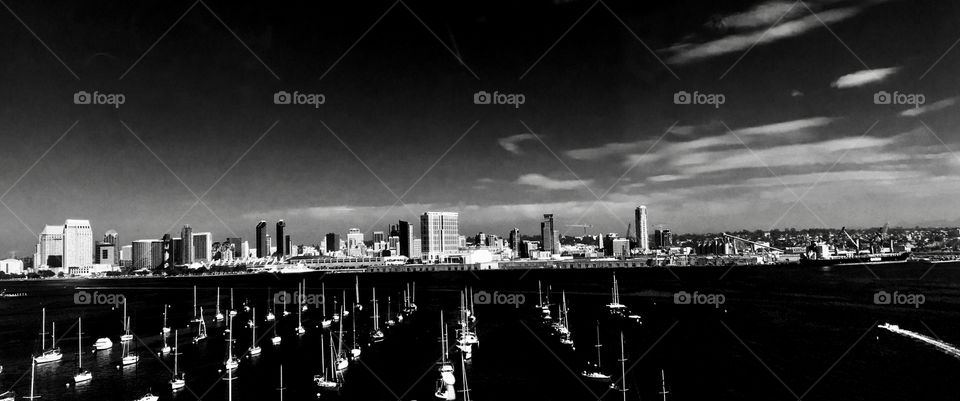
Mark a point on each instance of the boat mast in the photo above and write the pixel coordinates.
(176, 359)
(663, 385)
(43, 331)
(80, 344)
(623, 369)
(598, 345)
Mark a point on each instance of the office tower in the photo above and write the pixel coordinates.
(480, 239)
(244, 251)
(50, 247)
(607, 242)
(77, 243)
(112, 237)
(126, 254)
(167, 252)
(270, 248)
(439, 234)
(405, 232)
(105, 253)
(416, 248)
(662, 238)
(186, 247)
(202, 247)
(237, 246)
(620, 247)
(393, 244)
(515, 240)
(379, 236)
(333, 242)
(286, 246)
(640, 221)
(281, 251)
(263, 250)
(147, 253)
(354, 238)
(550, 235)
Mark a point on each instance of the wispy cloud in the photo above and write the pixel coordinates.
(785, 127)
(512, 143)
(544, 182)
(690, 52)
(864, 77)
(935, 106)
(762, 15)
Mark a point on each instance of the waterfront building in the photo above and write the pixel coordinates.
(405, 232)
(50, 247)
(77, 243)
(105, 254)
(379, 236)
(202, 247)
(11, 266)
(354, 239)
(440, 234)
(147, 253)
(515, 240)
(333, 242)
(112, 237)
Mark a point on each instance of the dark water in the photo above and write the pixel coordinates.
(782, 333)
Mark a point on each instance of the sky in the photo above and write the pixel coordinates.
(811, 114)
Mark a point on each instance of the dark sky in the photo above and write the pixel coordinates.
(599, 81)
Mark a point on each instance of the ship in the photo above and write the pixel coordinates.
(820, 255)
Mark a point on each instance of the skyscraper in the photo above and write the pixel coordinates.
(550, 235)
(112, 237)
(50, 247)
(405, 232)
(202, 247)
(286, 246)
(354, 238)
(515, 240)
(333, 242)
(77, 243)
(439, 234)
(263, 250)
(186, 249)
(281, 251)
(167, 252)
(147, 253)
(640, 221)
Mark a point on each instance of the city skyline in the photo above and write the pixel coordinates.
(799, 118)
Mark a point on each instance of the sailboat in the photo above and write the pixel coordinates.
(562, 327)
(166, 347)
(48, 355)
(201, 329)
(233, 311)
(622, 388)
(376, 335)
(463, 374)
(300, 328)
(126, 336)
(593, 371)
(232, 362)
(409, 300)
(33, 374)
(82, 375)
(281, 383)
(356, 291)
(325, 379)
(543, 305)
(303, 293)
(8, 396)
(355, 351)
(166, 328)
(390, 322)
(254, 348)
(615, 306)
(326, 322)
(270, 316)
(466, 338)
(128, 358)
(445, 390)
(219, 316)
(149, 397)
(196, 318)
(178, 381)
(342, 361)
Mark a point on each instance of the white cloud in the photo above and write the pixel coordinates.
(512, 143)
(762, 15)
(785, 127)
(666, 178)
(864, 77)
(935, 106)
(687, 52)
(544, 182)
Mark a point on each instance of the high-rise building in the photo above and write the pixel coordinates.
(379, 236)
(662, 238)
(515, 240)
(416, 248)
(263, 249)
(550, 236)
(354, 238)
(640, 221)
(237, 245)
(280, 239)
(333, 242)
(287, 250)
(126, 255)
(202, 247)
(112, 237)
(50, 247)
(270, 249)
(77, 243)
(405, 232)
(439, 234)
(186, 249)
(147, 253)
(105, 253)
